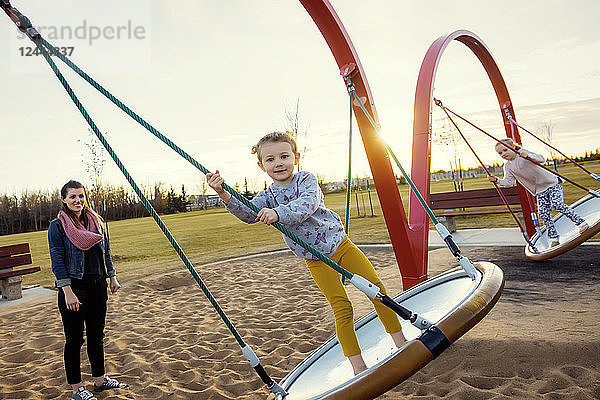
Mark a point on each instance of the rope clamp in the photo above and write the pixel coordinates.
(349, 85)
(346, 72)
(21, 21)
(12, 12)
(277, 390)
(438, 103)
(507, 112)
(5, 4)
(32, 33)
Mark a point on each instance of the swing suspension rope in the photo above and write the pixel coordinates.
(514, 123)
(359, 282)
(463, 261)
(349, 179)
(246, 349)
(524, 233)
(589, 191)
(348, 183)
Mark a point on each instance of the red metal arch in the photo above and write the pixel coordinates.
(341, 46)
(421, 150)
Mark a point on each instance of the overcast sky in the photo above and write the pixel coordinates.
(216, 76)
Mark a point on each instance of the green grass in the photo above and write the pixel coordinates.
(140, 248)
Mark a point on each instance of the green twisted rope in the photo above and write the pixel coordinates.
(349, 180)
(137, 190)
(389, 149)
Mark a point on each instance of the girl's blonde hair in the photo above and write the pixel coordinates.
(274, 137)
(508, 142)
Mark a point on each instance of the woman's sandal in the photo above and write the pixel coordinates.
(109, 383)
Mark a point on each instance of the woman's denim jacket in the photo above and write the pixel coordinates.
(67, 260)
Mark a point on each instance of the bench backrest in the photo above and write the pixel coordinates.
(473, 198)
(14, 256)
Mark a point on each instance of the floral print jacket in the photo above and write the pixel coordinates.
(301, 209)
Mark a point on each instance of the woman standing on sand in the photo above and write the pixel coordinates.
(81, 262)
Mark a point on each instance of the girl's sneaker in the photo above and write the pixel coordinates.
(83, 394)
(109, 383)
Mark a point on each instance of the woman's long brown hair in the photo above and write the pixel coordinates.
(86, 206)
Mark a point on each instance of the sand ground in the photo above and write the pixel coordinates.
(540, 341)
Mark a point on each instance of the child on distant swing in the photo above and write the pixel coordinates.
(296, 201)
(544, 185)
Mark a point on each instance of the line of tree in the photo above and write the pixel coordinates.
(32, 211)
(589, 156)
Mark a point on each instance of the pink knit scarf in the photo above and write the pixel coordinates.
(82, 238)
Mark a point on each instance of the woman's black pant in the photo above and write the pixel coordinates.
(92, 293)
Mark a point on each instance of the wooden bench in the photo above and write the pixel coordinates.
(470, 202)
(10, 257)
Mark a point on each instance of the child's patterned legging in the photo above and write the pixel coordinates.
(552, 199)
(351, 258)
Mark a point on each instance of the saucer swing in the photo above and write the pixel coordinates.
(537, 246)
(588, 208)
(452, 301)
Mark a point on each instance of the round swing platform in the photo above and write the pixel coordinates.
(589, 209)
(452, 300)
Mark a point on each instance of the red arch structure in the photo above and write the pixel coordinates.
(409, 237)
(341, 46)
(421, 150)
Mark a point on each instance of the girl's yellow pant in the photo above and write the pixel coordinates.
(351, 258)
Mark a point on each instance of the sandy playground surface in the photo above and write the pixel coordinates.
(163, 338)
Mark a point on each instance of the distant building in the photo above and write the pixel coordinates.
(467, 173)
(334, 187)
(204, 201)
(361, 183)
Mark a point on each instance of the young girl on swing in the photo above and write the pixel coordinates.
(296, 201)
(544, 185)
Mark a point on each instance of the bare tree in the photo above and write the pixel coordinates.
(446, 136)
(298, 128)
(546, 129)
(159, 202)
(202, 189)
(94, 159)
